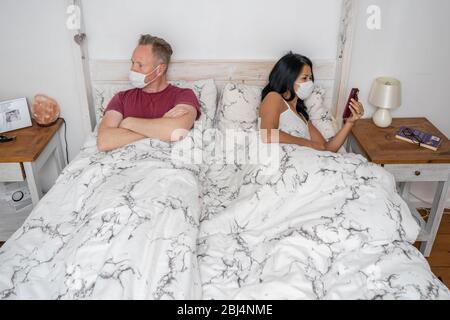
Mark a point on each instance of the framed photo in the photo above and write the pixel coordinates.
(14, 114)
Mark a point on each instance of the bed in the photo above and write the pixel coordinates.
(156, 220)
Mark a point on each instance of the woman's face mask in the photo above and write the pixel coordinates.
(137, 79)
(304, 89)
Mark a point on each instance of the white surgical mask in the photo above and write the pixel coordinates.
(304, 89)
(137, 79)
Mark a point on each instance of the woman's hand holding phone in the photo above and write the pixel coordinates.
(354, 109)
(357, 110)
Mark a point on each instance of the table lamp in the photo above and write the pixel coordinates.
(44, 110)
(385, 94)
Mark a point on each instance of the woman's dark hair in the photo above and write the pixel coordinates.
(283, 76)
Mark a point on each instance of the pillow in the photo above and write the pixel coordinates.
(205, 90)
(238, 107)
(319, 115)
(103, 93)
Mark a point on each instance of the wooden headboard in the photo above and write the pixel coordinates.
(252, 72)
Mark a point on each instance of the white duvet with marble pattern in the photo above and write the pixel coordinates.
(135, 224)
(326, 226)
(117, 225)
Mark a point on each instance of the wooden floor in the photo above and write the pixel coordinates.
(440, 255)
(439, 259)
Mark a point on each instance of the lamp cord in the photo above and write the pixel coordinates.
(65, 139)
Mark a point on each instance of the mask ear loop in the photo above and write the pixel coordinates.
(147, 83)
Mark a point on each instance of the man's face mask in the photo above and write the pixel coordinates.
(137, 79)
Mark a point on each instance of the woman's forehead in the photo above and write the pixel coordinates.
(306, 70)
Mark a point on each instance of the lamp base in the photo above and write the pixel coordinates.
(47, 124)
(382, 118)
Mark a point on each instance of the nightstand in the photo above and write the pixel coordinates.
(408, 163)
(23, 158)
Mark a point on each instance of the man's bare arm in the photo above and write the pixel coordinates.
(110, 136)
(173, 126)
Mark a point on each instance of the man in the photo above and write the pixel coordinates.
(154, 108)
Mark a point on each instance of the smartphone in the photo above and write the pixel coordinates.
(347, 112)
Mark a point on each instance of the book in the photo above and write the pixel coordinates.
(418, 137)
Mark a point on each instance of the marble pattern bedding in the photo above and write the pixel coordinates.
(140, 223)
(324, 226)
(117, 225)
(137, 224)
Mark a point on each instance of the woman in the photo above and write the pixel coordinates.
(283, 108)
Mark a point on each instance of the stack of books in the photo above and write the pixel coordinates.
(418, 137)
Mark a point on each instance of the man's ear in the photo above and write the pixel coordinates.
(162, 69)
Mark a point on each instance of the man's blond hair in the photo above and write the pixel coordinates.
(160, 47)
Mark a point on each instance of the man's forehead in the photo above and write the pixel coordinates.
(143, 54)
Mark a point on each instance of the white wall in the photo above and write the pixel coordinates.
(205, 29)
(413, 45)
(36, 56)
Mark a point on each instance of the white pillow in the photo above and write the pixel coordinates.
(238, 107)
(103, 94)
(205, 90)
(319, 115)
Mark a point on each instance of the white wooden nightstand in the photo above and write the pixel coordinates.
(23, 159)
(408, 163)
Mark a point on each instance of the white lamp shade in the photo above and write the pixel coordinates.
(386, 93)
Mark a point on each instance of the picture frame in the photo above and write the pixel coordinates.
(14, 114)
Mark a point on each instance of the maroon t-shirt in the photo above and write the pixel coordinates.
(140, 104)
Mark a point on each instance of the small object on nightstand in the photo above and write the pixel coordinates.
(419, 138)
(6, 139)
(45, 110)
(385, 94)
(14, 114)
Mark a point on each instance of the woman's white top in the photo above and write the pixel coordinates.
(293, 124)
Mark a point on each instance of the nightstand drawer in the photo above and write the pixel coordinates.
(419, 172)
(11, 172)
